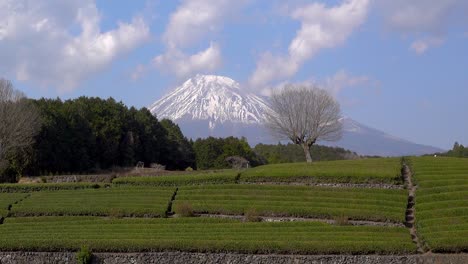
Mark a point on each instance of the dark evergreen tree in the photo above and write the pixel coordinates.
(180, 150)
(88, 134)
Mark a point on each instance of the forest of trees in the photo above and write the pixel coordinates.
(211, 153)
(89, 134)
(285, 153)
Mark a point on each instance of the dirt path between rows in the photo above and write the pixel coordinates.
(411, 209)
(333, 185)
(301, 219)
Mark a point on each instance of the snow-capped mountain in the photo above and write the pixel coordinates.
(209, 105)
(217, 99)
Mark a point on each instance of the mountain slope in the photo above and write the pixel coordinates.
(370, 141)
(216, 99)
(209, 105)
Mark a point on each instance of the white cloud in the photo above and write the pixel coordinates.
(182, 65)
(59, 43)
(193, 20)
(342, 80)
(421, 46)
(321, 27)
(138, 72)
(419, 16)
(335, 84)
(426, 21)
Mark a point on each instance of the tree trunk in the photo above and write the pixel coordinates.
(306, 149)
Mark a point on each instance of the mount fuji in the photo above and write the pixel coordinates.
(210, 105)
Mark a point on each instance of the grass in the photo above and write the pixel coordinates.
(381, 170)
(224, 176)
(442, 202)
(199, 235)
(114, 202)
(34, 187)
(296, 201)
(7, 199)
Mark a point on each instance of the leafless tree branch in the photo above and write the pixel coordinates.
(304, 115)
(19, 122)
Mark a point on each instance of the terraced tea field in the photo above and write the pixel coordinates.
(137, 213)
(442, 202)
(297, 201)
(97, 202)
(6, 200)
(199, 234)
(343, 171)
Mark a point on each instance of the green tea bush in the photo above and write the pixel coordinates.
(217, 177)
(441, 202)
(373, 171)
(114, 202)
(35, 187)
(198, 234)
(297, 201)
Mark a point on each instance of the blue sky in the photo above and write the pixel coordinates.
(396, 65)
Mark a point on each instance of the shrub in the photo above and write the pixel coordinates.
(116, 213)
(84, 255)
(184, 209)
(252, 215)
(341, 220)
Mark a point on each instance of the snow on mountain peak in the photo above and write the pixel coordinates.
(217, 99)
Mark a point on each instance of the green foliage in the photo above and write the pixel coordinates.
(294, 153)
(297, 201)
(458, 151)
(84, 255)
(8, 199)
(382, 170)
(207, 177)
(252, 215)
(211, 153)
(442, 202)
(200, 235)
(87, 134)
(180, 153)
(184, 209)
(149, 202)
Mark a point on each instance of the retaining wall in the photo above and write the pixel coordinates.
(208, 258)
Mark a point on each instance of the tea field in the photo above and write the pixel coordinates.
(136, 214)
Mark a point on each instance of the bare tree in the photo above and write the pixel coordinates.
(19, 123)
(304, 115)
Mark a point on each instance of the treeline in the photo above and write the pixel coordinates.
(89, 134)
(458, 151)
(211, 153)
(286, 153)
